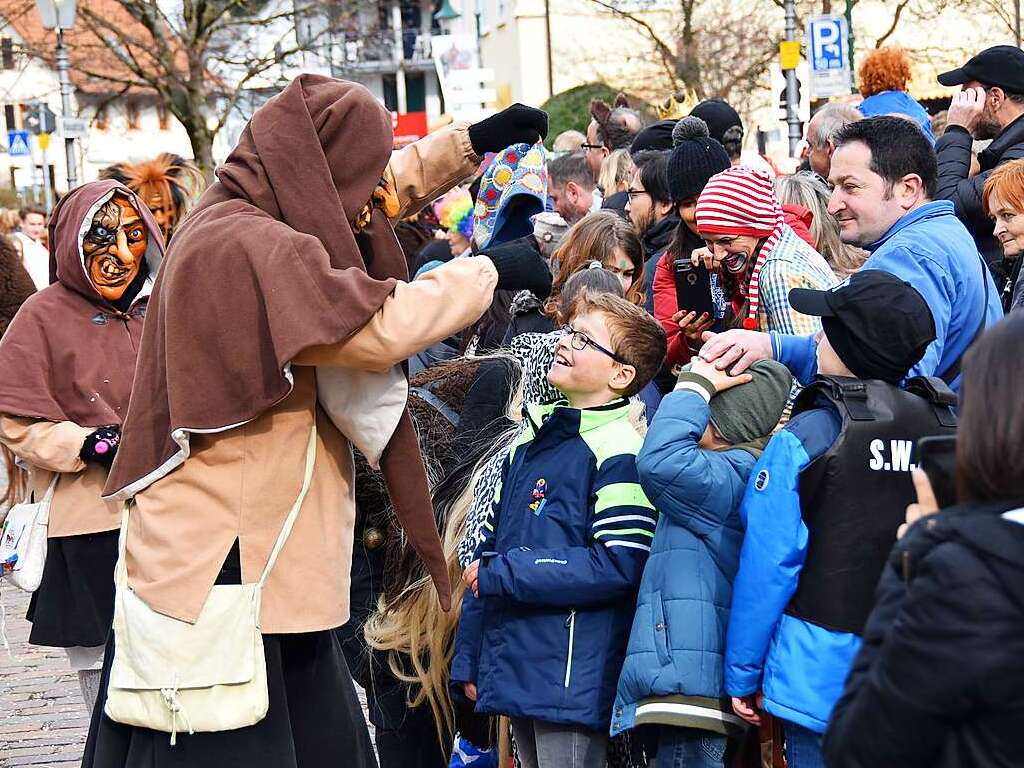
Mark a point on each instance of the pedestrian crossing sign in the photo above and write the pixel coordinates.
(17, 144)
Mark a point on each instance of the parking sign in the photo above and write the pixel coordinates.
(829, 56)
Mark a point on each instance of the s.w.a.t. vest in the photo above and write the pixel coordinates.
(854, 497)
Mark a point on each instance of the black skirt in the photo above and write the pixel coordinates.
(74, 604)
(314, 719)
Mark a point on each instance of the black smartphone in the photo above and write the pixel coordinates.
(937, 457)
(693, 288)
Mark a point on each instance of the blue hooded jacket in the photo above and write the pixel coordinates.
(674, 663)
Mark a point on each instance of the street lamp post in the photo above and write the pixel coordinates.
(60, 15)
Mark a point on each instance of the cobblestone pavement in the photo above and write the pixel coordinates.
(43, 721)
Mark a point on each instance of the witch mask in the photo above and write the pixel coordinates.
(114, 247)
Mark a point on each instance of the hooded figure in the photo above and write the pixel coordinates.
(281, 315)
(69, 355)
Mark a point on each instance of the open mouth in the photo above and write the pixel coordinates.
(561, 359)
(112, 272)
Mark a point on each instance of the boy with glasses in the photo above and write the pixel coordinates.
(552, 588)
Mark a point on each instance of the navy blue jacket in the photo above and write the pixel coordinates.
(560, 564)
(674, 664)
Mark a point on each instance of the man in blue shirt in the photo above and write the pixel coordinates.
(884, 176)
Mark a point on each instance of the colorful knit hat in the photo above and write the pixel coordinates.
(741, 201)
(454, 211)
(513, 189)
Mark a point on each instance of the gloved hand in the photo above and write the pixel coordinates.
(518, 124)
(520, 267)
(101, 446)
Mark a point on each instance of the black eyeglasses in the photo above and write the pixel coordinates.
(631, 193)
(591, 146)
(581, 341)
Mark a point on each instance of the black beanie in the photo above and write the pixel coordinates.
(719, 116)
(695, 158)
(657, 136)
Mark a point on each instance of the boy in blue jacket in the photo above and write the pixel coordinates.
(694, 466)
(551, 590)
(824, 504)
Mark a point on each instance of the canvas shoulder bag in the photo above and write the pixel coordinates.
(23, 540)
(170, 675)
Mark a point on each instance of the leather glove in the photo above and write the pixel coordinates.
(520, 267)
(518, 124)
(101, 446)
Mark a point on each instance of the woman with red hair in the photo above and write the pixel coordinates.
(882, 81)
(1003, 200)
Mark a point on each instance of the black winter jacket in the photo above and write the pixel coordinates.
(939, 680)
(953, 150)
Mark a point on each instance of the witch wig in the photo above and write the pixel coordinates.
(172, 178)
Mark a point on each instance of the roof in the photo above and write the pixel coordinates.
(95, 66)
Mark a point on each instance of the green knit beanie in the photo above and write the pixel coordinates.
(749, 412)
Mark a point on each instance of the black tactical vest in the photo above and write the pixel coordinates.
(855, 496)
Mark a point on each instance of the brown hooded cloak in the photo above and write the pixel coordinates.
(69, 355)
(234, 306)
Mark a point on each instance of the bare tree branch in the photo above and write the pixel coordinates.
(895, 23)
(668, 57)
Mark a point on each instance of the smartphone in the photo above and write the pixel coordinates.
(693, 288)
(937, 457)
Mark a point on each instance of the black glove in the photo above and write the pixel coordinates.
(520, 267)
(518, 124)
(101, 446)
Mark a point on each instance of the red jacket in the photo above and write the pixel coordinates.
(665, 305)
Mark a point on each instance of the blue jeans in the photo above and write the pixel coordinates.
(690, 748)
(803, 747)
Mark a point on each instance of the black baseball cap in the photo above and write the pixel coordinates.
(1000, 65)
(878, 324)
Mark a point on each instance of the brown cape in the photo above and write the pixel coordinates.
(266, 266)
(69, 355)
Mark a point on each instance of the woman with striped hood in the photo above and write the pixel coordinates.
(759, 256)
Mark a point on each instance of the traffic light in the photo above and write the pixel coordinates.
(40, 119)
(784, 102)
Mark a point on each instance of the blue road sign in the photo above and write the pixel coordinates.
(17, 144)
(828, 43)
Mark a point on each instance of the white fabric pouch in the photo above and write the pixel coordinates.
(170, 675)
(23, 540)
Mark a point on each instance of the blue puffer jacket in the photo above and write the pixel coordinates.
(798, 666)
(560, 564)
(674, 662)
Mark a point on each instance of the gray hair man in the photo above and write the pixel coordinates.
(822, 129)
